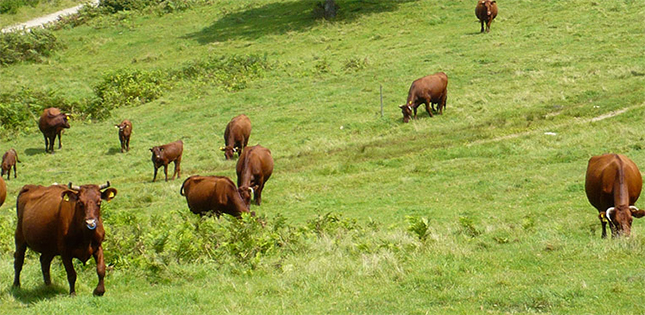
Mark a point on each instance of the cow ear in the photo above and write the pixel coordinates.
(108, 194)
(222, 148)
(151, 150)
(69, 195)
(402, 106)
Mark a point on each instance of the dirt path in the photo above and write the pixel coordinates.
(39, 22)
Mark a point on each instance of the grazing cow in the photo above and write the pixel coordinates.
(9, 160)
(486, 11)
(51, 124)
(254, 168)
(3, 191)
(236, 136)
(216, 194)
(62, 220)
(125, 130)
(428, 90)
(613, 184)
(164, 154)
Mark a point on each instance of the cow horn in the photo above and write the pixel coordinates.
(633, 208)
(70, 186)
(222, 148)
(251, 190)
(608, 212)
(234, 149)
(106, 185)
(410, 108)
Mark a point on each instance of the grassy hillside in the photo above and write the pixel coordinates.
(481, 210)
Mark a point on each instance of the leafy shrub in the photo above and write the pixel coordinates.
(355, 64)
(419, 227)
(27, 46)
(12, 6)
(128, 87)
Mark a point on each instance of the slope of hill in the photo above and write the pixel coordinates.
(479, 210)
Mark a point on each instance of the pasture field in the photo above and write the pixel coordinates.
(481, 210)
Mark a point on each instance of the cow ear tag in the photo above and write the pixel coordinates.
(66, 197)
(110, 196)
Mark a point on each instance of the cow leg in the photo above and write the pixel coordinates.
(165, 171)
(482, 22)
(9, 173)
(51, 144)
(60, 145)
(71, 273)
(45, 263)
(155, 177)
(177, 168)
(415, 112)
(46, 143)
(488, 25)
(15, 174)
(258, 194)
(442, 104)
(19, 257)
(428, 109)
(127, 142)
(100, 271)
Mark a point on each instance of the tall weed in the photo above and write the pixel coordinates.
(33, 46)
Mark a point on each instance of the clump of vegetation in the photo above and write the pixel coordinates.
(27, 46)
(127, 87)
(355, 64)
(419, 227)
(12, 6)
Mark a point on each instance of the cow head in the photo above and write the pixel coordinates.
(620, 219)
(407, 112)
(62, 120)
(157, 153)
(246, 193)
(488, 4)
(228, 151)
(87, 201)
(121, 127)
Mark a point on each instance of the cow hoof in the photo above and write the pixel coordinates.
(98, 292)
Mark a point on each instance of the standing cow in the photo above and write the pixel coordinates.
(125, 130)
(613, 184)
(51, 124)
(62, 220)
(164, 154)
(486, 11)
(9, 160)
(3, 191)
(216, 194)
(236, 136)
(254, 168)
(428, 90)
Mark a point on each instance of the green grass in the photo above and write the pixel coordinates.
(509, 226)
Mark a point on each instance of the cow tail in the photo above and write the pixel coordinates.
(181, 191)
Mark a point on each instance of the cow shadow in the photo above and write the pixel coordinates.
(113, 151)
(40, 293)
(34, 151)
(281, 18)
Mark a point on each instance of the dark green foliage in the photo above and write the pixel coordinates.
(12, 6)
(27, 46)
(127, 87)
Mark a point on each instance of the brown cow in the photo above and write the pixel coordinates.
(236, 136)
(486, 11)
(125, 130)
(216, 194)
(51, 124)
(3, 191)
(164, 154)
(428, 90)
(254, 168)
(9, 160)
(613, 184)
(62, 220)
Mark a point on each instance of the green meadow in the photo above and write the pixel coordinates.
(481, 210)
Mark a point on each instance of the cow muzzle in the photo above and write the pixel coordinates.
(90, 223)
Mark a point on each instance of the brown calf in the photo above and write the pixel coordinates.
(125, 130)
(62, 220)
(3, 191)
(164, 154)
(486, 11)
(9, 160)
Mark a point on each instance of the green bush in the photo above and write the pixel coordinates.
(231, 72)
(127, 87)
(12, 6)
(32, 45)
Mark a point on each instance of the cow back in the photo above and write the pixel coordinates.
(603, 172)
(432, 87)
(52, 120)
(212, 193)
(40, 216)
(238, 129)
(255, 162)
